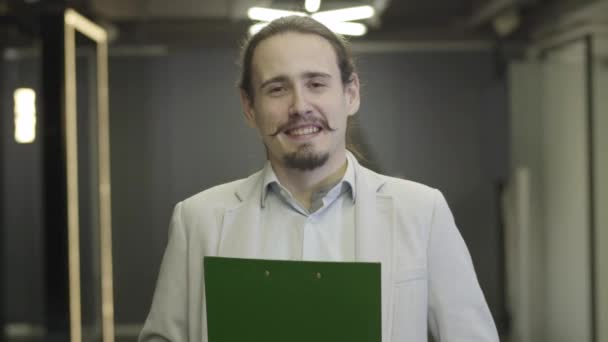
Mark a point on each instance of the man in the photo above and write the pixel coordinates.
(313, 201)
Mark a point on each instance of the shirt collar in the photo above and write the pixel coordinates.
(271, 178)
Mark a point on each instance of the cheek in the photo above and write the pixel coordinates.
(267, 118)
(336, 115)
(334, 107)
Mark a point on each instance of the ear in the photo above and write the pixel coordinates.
(248, 111)
(351, 90)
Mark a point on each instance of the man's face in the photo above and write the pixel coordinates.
(300, 106)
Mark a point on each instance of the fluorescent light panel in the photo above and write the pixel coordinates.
(345, 28)
(312, 5)
(346, 14)
(25, 115)
(255, 28)
(269, 14)
(348, 29)
(335, 20)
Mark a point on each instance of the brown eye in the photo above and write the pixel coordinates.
(316, 85)
(276, 90)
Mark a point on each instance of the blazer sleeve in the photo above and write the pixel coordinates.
(167, 319)
(457, 307)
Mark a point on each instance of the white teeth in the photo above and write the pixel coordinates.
(304, 131)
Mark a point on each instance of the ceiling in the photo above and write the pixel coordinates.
(223, 22)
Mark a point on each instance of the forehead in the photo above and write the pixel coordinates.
(291, 54)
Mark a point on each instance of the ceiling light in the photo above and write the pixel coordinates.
(25, 115)
(346, 28)
(269, 14)
(346, 14)
(255, 28)
(336, 20)
(312, 5)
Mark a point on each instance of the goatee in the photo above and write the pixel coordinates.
(304, 159)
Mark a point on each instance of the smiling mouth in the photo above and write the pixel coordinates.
(298, 128)
(303, 131)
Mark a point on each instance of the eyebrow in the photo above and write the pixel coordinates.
(305, 75)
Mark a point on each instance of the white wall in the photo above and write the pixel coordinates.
(566, 197)
(601, 184)
(551, 286)
(525, 231)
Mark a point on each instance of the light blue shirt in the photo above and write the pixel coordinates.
(325, 232)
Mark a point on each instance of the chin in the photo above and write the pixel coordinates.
(305, 159)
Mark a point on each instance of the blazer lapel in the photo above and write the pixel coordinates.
(374, 236)
(240, 232)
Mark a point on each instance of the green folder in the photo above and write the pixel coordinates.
(292, 301)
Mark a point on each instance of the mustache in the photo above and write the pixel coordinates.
(295, 121)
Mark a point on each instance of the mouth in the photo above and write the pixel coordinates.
(299, 129)
(303, 132)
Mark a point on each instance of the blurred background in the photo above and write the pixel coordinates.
(501, 104)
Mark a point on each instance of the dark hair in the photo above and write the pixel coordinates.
(298, 24)
(305, 25)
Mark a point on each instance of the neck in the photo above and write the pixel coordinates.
(303, 184)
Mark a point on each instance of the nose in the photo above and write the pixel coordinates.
(300, 104)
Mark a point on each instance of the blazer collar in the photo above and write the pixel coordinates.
(249, 186)
(363, 177)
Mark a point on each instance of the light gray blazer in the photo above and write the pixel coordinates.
(428, 278)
